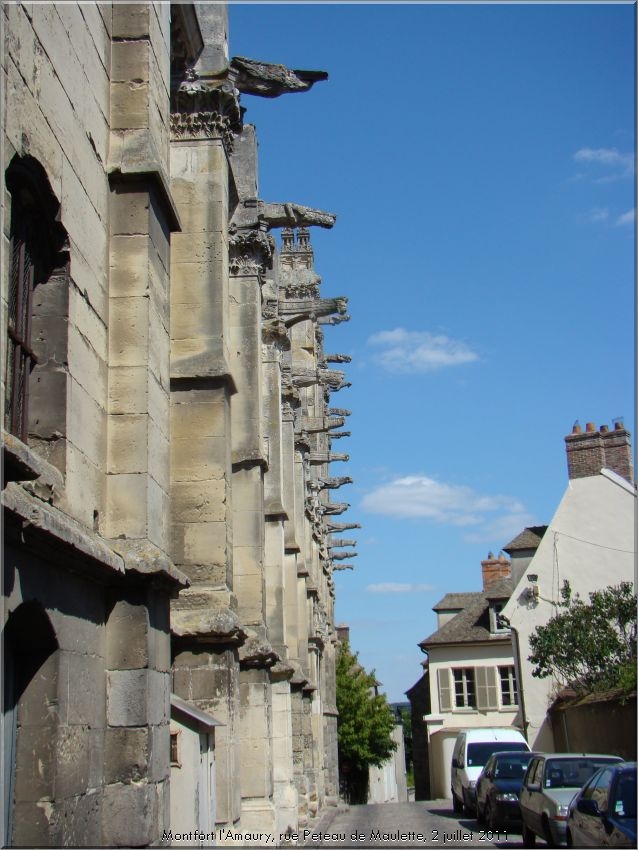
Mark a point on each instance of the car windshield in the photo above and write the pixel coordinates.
(511, 767)
(571, 773)
(478, 754)
(625, 801)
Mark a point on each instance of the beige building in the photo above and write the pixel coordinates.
(166, 439)
(589, 542)
(470, 671)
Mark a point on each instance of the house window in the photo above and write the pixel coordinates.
(509, 690)
(496, 623)
(464, 687)
(175, 749)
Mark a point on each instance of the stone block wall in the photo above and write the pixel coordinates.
(167, 505)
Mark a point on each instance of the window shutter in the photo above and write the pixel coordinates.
(492, 690)
(445, 697)
(481, 688)
(486, 692)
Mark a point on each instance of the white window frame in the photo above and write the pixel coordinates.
(508, 685)
(466, 674)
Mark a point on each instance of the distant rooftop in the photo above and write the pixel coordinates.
(472, 623)
(529, 538)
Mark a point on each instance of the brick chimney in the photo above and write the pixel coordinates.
(494, 570)
(593, 450)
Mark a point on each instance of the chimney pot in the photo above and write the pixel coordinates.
(593, 451)
(576, 429)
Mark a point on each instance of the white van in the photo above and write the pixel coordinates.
(471, 751)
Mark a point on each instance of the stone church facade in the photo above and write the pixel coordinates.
(167, 437)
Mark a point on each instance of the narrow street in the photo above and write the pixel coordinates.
(429, 823)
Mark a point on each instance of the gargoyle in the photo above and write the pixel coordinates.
(252, 212)
(294, 215)
(267, 80)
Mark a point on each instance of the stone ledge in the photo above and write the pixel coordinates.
(134, 156)
(204, 365)
(21, 463)
(62, 529)
(208, 626)
(143, 557)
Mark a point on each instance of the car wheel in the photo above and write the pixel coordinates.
(457, 805)
(529, 837)
(466, 806)
(570, 840)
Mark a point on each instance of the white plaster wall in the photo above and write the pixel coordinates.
(184, 791)
(473, 655)
(590, 542)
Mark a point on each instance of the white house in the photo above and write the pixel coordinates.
(471, 668)
(193, 799)
(589, 542)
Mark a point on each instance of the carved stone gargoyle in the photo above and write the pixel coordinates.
(265, 79)
(342, 526)
(252, 211)
(336, 542)
(341, 556)
(330, 483)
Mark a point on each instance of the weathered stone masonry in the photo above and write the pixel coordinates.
(168, 433)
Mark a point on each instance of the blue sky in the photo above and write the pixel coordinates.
(480, 162)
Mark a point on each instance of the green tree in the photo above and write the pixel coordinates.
(364, 727)
(591, 646)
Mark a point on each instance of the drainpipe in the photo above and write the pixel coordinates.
(517, 661)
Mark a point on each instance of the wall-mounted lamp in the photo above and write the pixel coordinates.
(532, 578)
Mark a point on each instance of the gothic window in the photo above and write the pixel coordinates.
(37, 240)
(20, 356)
(509, 690)
(464, 687)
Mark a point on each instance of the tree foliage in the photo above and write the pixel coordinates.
(365, 720)
(591, 646)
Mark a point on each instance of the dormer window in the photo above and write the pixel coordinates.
(497, 624)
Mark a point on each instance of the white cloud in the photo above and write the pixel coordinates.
(621, 164)
(418, 351)
(499, 531)
(398, 587)
(492, 518)
(599, 214)
(626, 218)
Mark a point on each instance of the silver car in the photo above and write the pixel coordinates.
(550, 783)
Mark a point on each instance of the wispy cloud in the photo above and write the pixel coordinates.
(492, 518)
(599, 214)
(398, 587)
(405, 351)
(615, 163)
(626, 218)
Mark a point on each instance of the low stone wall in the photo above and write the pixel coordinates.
(598, 723)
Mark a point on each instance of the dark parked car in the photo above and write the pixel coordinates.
(498, 787)
(550, 784)
(603, 813)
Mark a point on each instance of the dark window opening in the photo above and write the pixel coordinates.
(37, 243)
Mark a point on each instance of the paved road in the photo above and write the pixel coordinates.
(422, 824)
